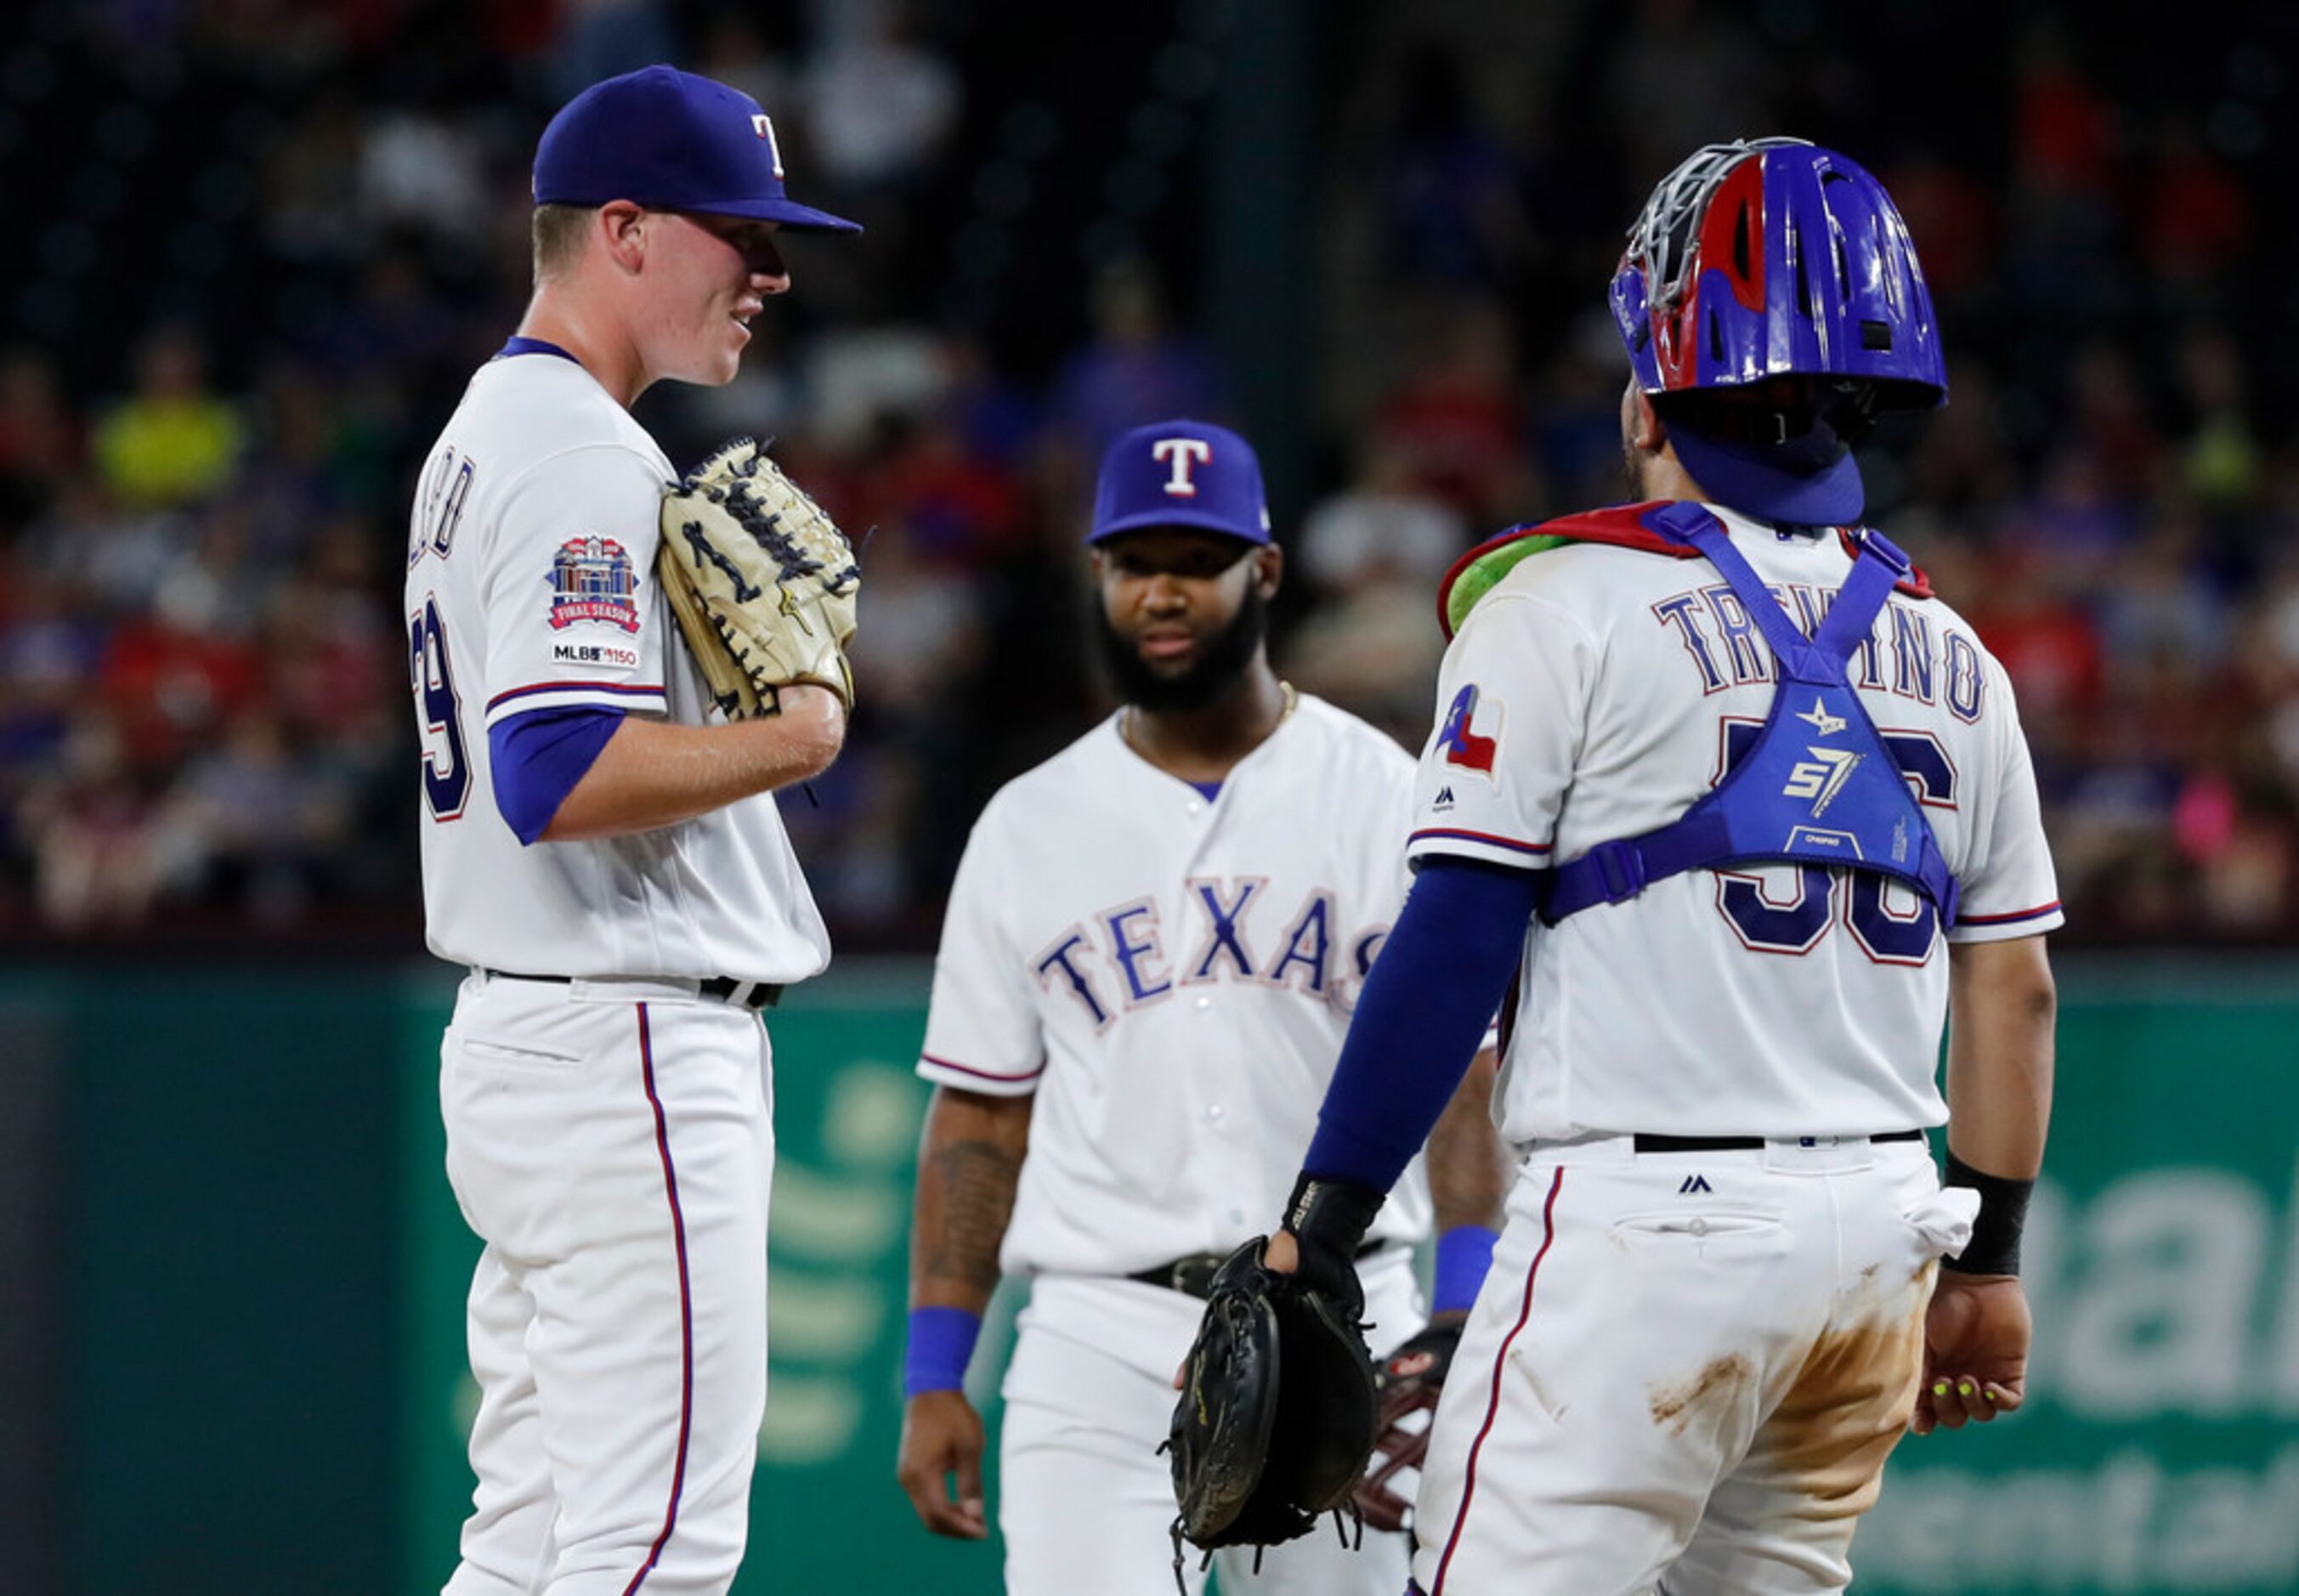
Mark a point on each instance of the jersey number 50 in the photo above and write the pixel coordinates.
(438, 714)
(1894, 924)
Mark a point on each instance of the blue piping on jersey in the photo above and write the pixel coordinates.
(519, 344)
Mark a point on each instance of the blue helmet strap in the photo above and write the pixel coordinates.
(1816, 786)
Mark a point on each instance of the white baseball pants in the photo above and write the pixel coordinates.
(611, 1143)
(1685, 1370)
(1085, 1499)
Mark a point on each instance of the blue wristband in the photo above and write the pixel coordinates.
(1464, 1254)
(941, 1344)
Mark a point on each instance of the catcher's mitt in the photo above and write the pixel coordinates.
(763, 585)
(1408, 1382)
(1276, 1412)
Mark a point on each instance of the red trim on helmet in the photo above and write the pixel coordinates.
(1675, 336)
(1744, 185)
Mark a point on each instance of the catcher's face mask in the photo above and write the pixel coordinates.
(1772, 259)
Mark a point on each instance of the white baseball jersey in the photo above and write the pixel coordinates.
(1173, 977)
(530, 586)
(1605, 690)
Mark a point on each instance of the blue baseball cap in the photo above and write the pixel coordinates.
(671, 141)
(1181, 474)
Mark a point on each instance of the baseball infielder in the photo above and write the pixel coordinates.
(611, 870)
(1752, 808)
(1151, 949)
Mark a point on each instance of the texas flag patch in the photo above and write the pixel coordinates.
(1471, 736)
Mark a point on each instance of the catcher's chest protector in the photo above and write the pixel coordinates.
(1815, 785)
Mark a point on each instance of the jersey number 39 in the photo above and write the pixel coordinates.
(438, 714)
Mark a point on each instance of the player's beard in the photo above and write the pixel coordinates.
(1222, 659)
(1632, 469)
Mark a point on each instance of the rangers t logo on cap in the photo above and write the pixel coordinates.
(763, 126)
(1181, 473)
(1182, 452)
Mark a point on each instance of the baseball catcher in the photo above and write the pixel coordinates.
(1731, 896)
(761, 581)
(1278, 1408)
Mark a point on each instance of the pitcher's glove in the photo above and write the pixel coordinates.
(761, 582)
(1408, 1382)
(1277, 1409)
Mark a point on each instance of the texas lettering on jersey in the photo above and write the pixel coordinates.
(1117, 959)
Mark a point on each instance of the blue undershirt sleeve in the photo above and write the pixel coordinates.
(536, 758)
(1439, 977)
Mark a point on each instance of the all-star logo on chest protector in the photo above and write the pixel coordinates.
(1821, 777)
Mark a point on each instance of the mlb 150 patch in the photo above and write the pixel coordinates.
(595, 656)
(592, 579)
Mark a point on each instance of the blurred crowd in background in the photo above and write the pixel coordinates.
(267, 242)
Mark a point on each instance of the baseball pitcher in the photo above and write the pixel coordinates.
(601, 853)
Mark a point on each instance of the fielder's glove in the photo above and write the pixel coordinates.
(762, 584)
(1408, 1382)
(1277, 1406)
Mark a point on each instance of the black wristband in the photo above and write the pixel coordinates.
(1995, 1245)
(1329, 1218)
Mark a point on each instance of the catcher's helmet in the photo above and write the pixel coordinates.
(1775, 258)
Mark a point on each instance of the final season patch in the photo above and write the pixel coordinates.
(592, 579)
(1465, 746)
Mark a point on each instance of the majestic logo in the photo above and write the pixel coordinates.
(763, 126)
(1463, 746)
(592, 579)
(1692, 1183)
(1443, 801)
(1182, 453)
(1821, 776)
(1818, 717)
